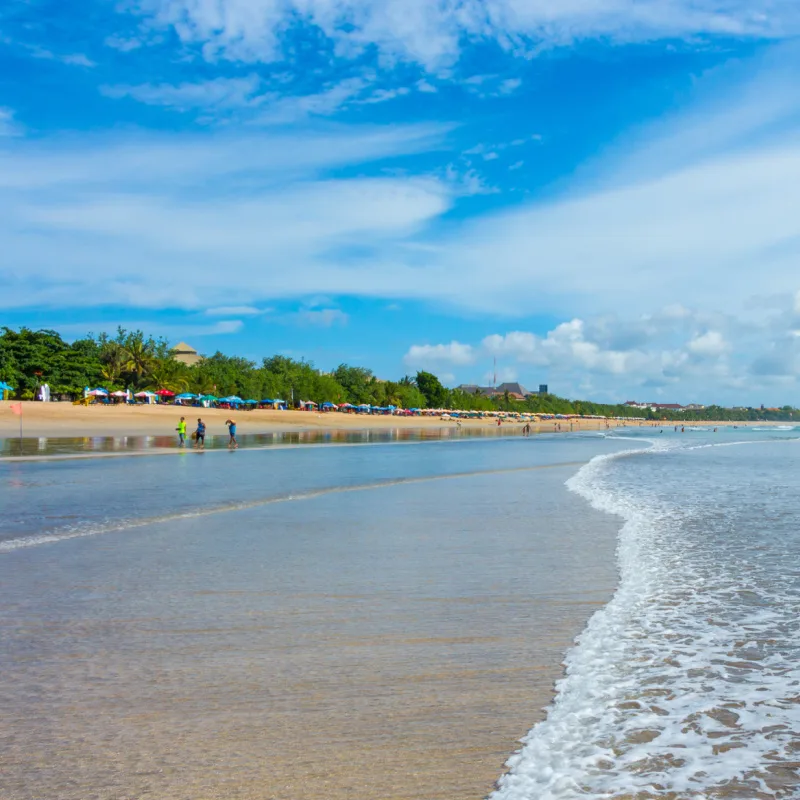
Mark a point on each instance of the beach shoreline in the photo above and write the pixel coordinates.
(67, 420)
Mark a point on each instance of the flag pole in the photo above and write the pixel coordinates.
(20, 428)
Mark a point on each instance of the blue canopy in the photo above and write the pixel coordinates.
(329, 405)
(186, 396)
(233, 400)
(4, 387)
(251, 402)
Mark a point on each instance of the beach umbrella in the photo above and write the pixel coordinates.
(119, 394)
(4, 387)
(328, 405)
(165, 393)
(251, 402)
(185, 396)
(145, 394)
(98, 393)
(213, 398)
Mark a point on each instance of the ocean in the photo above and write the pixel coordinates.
(385, 620)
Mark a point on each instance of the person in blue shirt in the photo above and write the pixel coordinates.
(232, 431)
(200, 434)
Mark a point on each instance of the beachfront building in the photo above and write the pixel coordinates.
(516, 391)
(655, 406)
(186, 354)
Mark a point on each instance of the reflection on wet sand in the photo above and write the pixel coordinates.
(67, 445)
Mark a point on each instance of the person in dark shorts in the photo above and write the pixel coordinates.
(232, 431)
(200, 434)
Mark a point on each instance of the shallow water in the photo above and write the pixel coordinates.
(319, 622)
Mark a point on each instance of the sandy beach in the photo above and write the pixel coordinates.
(65, 419)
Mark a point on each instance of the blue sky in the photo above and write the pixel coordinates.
(599, 194)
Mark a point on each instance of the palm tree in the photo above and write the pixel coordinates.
(113, 358)
(166, 373)
(138, 357)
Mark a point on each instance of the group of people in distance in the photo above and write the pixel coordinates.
(199, 435)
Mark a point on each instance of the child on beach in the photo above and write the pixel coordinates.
(181, 432)
(200, 434)
(232, 431)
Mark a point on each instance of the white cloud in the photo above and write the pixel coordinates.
(618, 358)
(516, 165)
(433, 33)
(219, 93)
(711, 343)
(425, 356)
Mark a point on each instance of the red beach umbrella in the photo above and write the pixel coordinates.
(165, 393)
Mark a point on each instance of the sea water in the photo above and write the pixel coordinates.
(376, 621)
(151, 587)
(687, 684)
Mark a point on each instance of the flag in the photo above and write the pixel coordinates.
(16, 408)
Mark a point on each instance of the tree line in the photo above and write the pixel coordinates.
(136, 361)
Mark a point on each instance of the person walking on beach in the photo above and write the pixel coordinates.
(200, 434)
(181, 432)
(232, 431)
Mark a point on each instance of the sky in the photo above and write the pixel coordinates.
(599, 195)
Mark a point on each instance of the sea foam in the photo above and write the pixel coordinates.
(681, 685)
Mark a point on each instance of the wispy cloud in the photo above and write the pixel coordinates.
(171, 331)
(37, 51)
(218, 93)
(8, 126)
(236, 311)
(124, 44)
(323, 317)
(176, 211)
(433, 34)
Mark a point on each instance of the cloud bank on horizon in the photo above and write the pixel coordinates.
(598, 194)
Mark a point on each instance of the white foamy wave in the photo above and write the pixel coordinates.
(674, 689)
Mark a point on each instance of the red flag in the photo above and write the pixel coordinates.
(16, 408)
